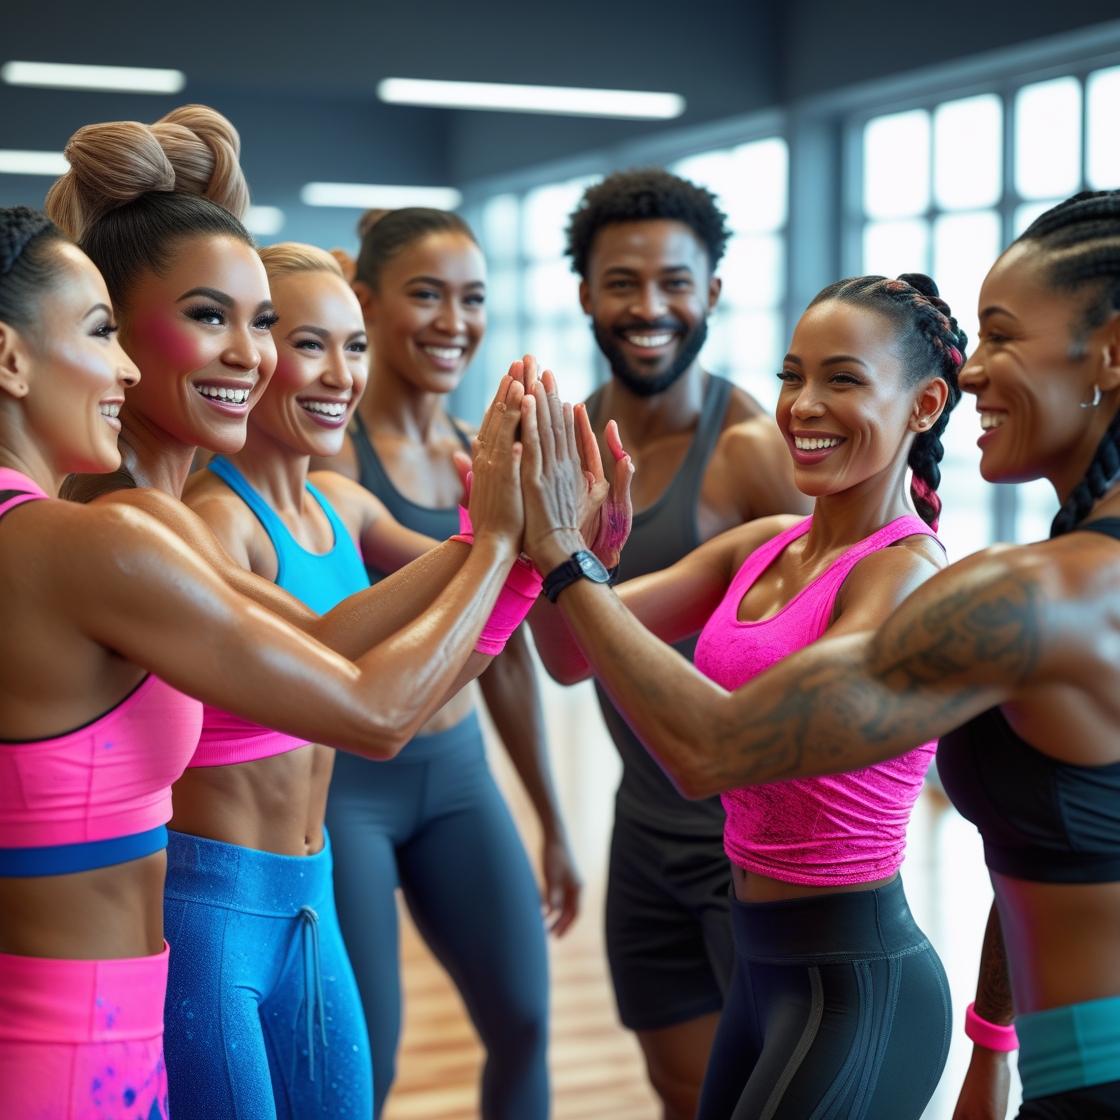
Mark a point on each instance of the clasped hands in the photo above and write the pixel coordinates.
(537, 475)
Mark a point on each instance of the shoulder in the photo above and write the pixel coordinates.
(224, 511)
(342, 492)
(898, 569)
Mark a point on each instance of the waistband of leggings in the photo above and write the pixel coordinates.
(216, 874)
(1071, 1047)
(458, 740)
(47, 1000)
(828, 928)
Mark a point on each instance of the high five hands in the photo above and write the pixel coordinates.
(566, 500)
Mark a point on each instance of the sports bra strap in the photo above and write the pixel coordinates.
(17, 488)
(1110, 526)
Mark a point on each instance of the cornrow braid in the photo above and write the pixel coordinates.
(1081, 239)
(933, 345)
(27, 267)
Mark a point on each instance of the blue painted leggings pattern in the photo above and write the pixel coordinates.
(263, 1020)
(433, 822)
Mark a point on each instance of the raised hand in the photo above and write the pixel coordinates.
(608, 526)
(553, 483)
(495, 502)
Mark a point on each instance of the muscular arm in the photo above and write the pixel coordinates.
(964, 642)
(672, 604)
(136, 588)
(987, 1082)
(513, 699)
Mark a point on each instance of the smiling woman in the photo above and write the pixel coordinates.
(836, 996)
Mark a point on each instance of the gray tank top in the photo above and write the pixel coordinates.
(662, 535)
(438, 523)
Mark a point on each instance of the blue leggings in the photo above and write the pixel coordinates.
(262, 1020)
(838, 1010)
(433, 822)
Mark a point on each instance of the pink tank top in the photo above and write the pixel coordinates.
(842, 828)
(104, 781)
(228, 739)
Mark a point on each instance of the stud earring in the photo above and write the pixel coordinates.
(1096, 398)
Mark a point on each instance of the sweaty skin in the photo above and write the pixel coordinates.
(1030, 628)
(425, 318)
(90, 594)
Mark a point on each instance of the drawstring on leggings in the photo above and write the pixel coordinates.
(312, 982)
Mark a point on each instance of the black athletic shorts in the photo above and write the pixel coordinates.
(668, 924)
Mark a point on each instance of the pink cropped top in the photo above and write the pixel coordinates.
(228, 739)
(100, 794)
(832, 830)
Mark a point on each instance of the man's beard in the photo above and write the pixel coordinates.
(638, 384)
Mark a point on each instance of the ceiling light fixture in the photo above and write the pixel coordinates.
(370, 196)
(64, 75)
(265, 220)
(563, 100)
(16, 162)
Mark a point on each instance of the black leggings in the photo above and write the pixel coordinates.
(838, 1010)
(1098, 1102)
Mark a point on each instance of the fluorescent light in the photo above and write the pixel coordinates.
(14, 162)
(369, 196)
(64, 75)
(265, 220)
(565, 100)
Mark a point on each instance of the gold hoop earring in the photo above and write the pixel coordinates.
(1096, 398)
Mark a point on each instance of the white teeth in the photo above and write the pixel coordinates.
(233, 396)
(444, 353)
(112, 410)
(327, 408)
(990, 420)
(650, 340)
(804, 444)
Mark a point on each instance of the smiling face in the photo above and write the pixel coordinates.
(649, 293)
(846, 410)
(321, 364)
(72, 371)
(200, 335)
(427, 315)
(1033, 369)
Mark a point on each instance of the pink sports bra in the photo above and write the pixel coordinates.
(100, 794)
(227, 739)
(837, 829)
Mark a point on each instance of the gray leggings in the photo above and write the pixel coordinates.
(433, 822)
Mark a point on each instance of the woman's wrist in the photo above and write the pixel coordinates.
(557, 545)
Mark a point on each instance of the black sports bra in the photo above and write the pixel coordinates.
(1042, 820)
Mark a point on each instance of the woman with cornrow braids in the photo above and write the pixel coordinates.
(1010, 656)
(837, 996)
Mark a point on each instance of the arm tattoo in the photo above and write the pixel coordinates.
(916, 678)
(993, 989)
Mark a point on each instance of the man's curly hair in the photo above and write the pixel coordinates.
(643, 194)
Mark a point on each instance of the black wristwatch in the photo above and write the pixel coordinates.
(580, 565)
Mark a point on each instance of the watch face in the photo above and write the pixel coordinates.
(591, 567)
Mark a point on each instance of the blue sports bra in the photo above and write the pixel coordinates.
(1042, 820)
(321, 580)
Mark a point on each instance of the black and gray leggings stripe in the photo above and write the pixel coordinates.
(838, 1010)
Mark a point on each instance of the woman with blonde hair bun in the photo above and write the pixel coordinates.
(258, 1019)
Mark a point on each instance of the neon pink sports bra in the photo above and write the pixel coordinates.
(838, 829)
(100, 794)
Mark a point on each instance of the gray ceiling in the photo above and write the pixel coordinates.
(299, 80)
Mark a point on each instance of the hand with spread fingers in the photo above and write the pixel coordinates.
(555, 490)
(495, 502)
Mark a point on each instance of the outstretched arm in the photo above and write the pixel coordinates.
(514, 702)
(987, 1083)
(963, 642)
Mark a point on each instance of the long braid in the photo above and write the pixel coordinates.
(933, 345)
(1081, 238)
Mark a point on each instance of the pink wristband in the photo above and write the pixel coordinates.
(466, 529)
(515, 600)
(989, 1035)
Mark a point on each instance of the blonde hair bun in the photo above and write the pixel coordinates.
(293, 256)
(193, 149)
